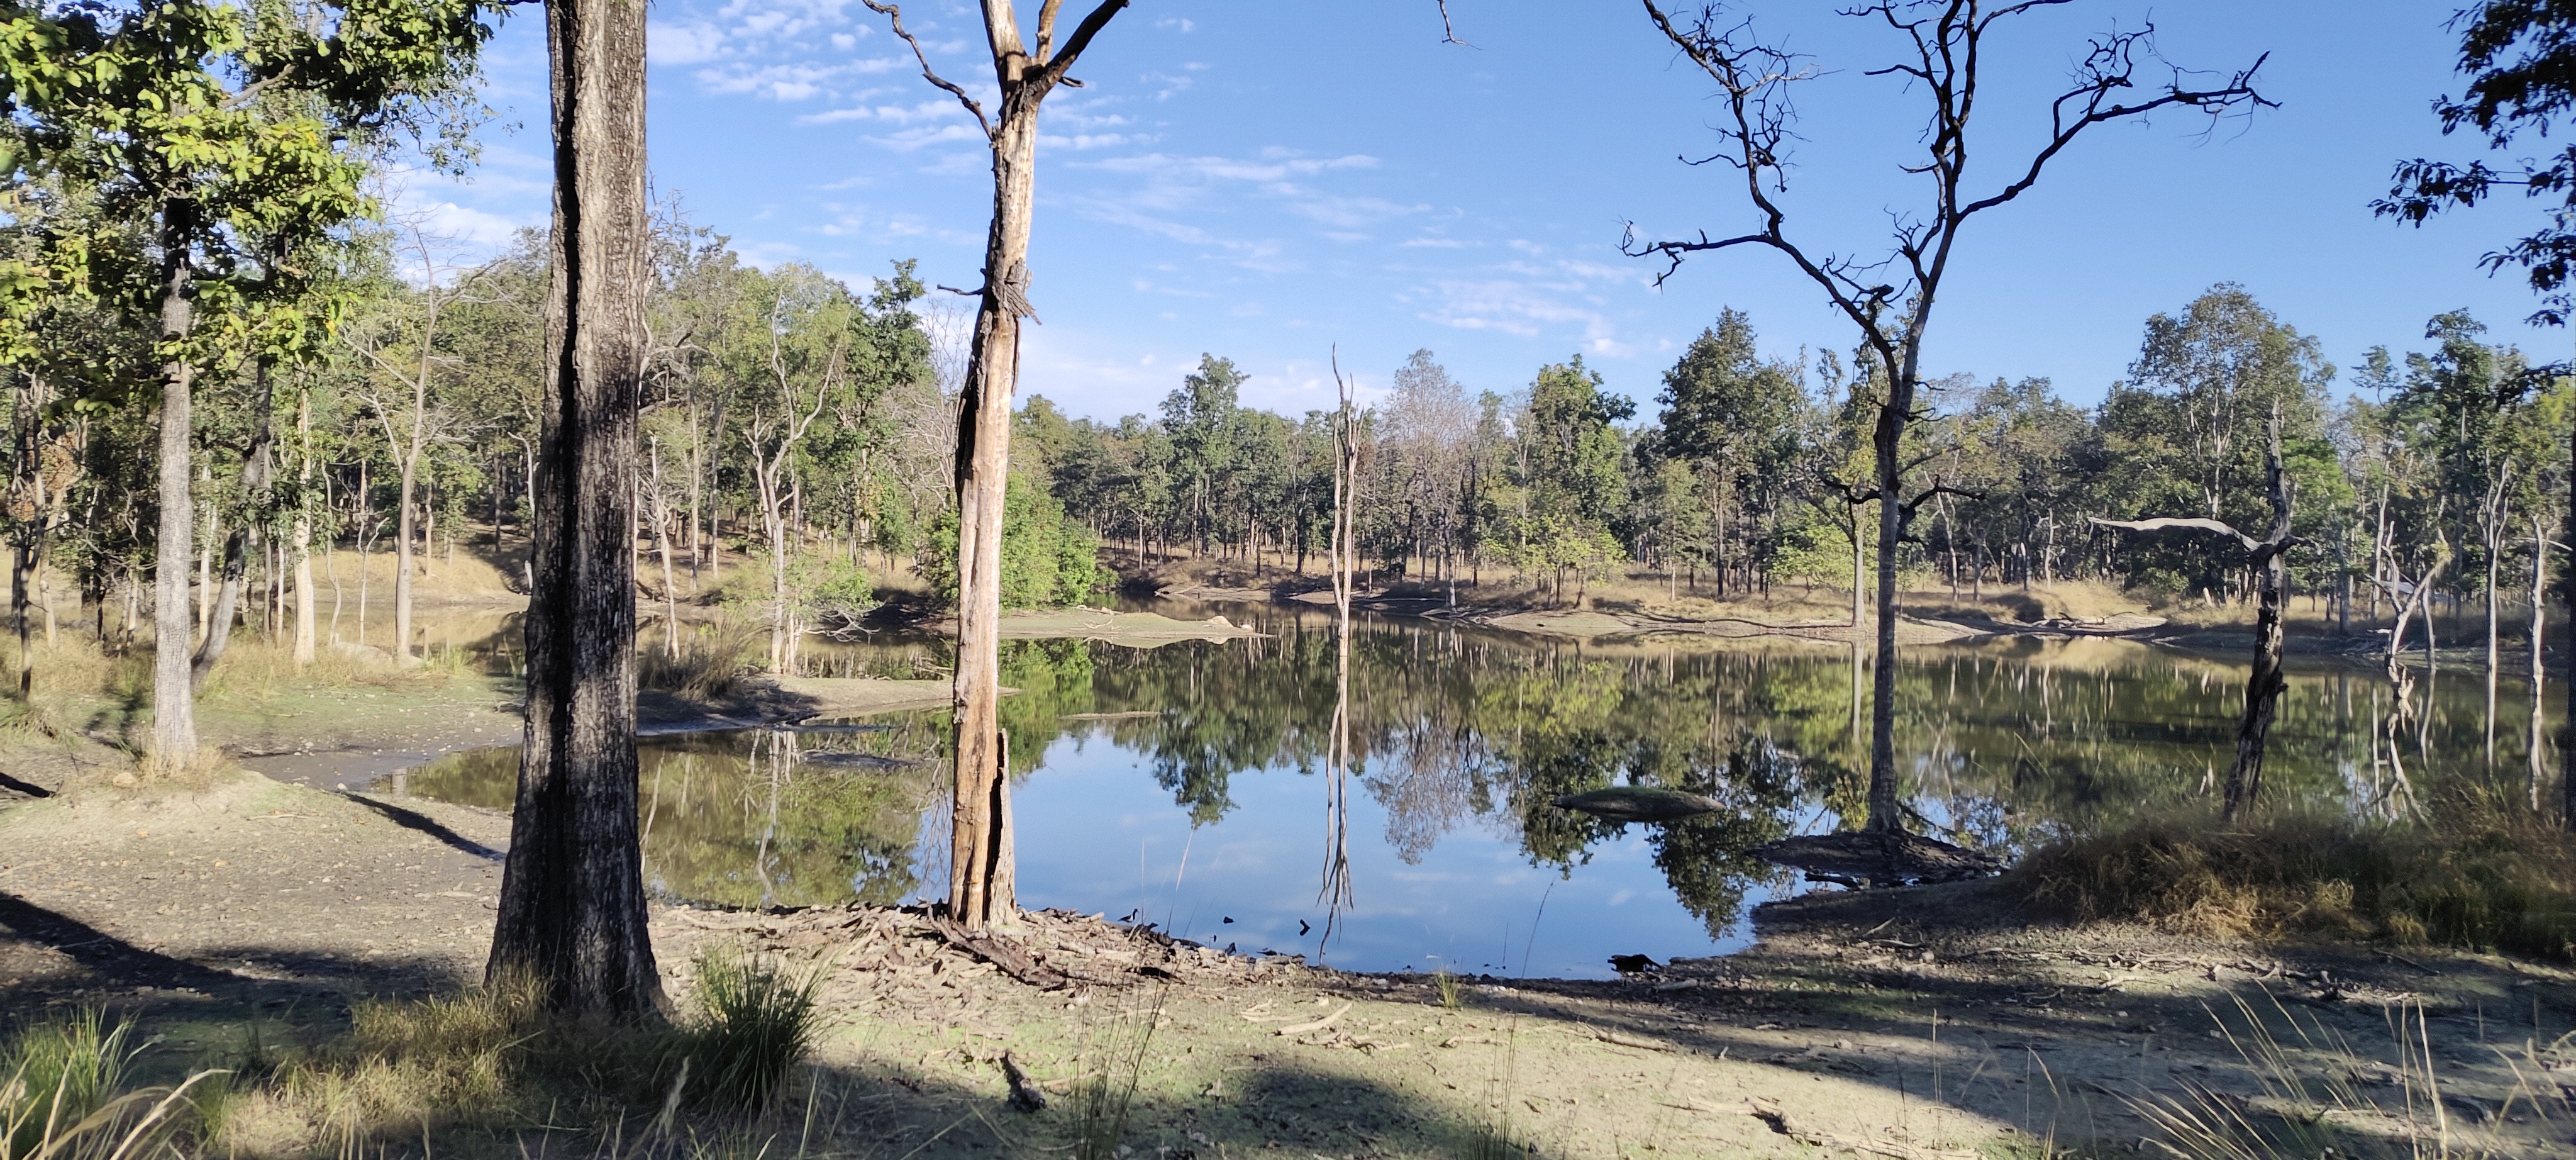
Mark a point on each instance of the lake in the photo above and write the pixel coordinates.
(1184, 784)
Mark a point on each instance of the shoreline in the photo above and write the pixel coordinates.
(1924, 1022)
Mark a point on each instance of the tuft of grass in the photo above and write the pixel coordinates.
(711, 665)
(1446, 984)
(62, 1097)
(2475, 874)
(752, 1022)
(1112, 1067)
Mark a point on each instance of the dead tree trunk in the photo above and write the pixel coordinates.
(2267, 559)
(1890, 300)
(572, 916)
(980, 874)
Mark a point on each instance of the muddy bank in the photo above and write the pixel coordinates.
(1927, 1022)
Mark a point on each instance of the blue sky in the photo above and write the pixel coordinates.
(1264, 180)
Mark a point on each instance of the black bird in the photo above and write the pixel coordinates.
(1229, 920)
(1302, 927)
(1634, 964)
(1131, 915)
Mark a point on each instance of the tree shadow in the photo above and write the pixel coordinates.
(423, 824)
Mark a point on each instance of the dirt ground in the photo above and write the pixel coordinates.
(1922, 1023)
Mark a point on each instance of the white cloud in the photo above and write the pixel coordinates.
(911, 139)
(476, 227)
(1434, 244)
(682, 43)
(1083, 141)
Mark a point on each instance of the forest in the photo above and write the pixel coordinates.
(797, 430)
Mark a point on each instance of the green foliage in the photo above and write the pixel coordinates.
(1048, 560)
(55, 1075)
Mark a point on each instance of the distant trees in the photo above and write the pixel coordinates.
(1731, 430)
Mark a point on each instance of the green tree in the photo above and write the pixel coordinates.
(239, 134)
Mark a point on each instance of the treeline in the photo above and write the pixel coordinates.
(2438, 470)
(796, 440)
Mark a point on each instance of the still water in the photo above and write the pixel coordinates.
(1184, 784)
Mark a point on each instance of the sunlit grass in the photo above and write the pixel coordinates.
(2475, 874)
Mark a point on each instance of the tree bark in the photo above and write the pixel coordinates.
(981, 873)
(1888, 438)
(174, 711)
(572, 908)
(980, 886)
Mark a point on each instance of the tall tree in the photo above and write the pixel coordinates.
(572, 917)
(237, 131)
(2520, 58)
(980, 869)
(2267, 556)
(1940, 60)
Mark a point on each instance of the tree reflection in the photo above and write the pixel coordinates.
(1454, 727)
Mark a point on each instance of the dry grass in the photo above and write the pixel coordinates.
(492, 1059)
(2475, 874)
(713, 660)
(2320, 1097)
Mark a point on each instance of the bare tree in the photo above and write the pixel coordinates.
(572, 916)
(980, 871)
(1890, 299)
(401, 396)
(2267, 559)
(1336, 894)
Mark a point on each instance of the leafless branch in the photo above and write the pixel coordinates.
(1938, 489)
(2170, 523)
(894, 15)
(1449, 31)
(1081, 39)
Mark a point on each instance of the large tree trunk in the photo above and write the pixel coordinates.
(1889, 440)
(572, 909)
(980, 886)
(403, 525)
(255, 475)
(174, 711)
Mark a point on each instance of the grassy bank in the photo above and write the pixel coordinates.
(2471, 874)
(476, 1066)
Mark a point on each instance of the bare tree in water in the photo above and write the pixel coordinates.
(2266, 556)
(979, 863)
(1890, 298)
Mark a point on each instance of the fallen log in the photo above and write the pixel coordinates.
(1865, 858)
(1010, 960)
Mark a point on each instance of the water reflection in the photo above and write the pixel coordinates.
(1207, 758)
(765, 818)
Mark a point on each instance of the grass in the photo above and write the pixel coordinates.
(64, 1096)
(492, 1059)
(1446, 984)
(2476, 874)
(1112, 1067)
(2315, 1096)
(753, 1022)
(712, 663)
